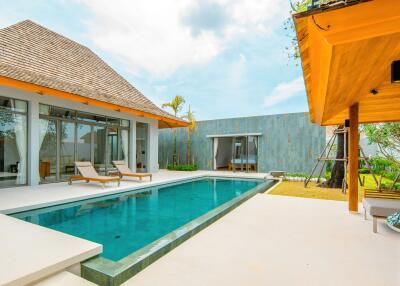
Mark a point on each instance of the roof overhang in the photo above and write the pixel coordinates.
(163, 122)
(346, 55)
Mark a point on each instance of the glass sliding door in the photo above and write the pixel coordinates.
(13, 142)
(141, 146)
(99, 148)
(239, 153)
(67, 149)
(112, 147)
(83, 142)
(48, 150)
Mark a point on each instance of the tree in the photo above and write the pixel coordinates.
(176, 105)
(189, 116)
(337, 174)
(387, 137)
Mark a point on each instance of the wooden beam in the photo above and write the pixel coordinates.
(353, 158)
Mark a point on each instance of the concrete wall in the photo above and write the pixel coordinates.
(289, 142)
(33, 128)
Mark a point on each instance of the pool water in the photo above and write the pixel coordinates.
(130, 221)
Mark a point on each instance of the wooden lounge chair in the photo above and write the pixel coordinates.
(88, 173)
(123, 170)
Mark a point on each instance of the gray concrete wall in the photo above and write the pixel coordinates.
(289, 142)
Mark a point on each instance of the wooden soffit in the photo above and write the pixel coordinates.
(346, 53)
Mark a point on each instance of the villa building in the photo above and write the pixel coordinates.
(61, 103)
(287, 142)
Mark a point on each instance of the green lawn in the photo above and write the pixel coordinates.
(296, 189)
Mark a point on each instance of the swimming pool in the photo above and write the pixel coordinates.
(129, 222)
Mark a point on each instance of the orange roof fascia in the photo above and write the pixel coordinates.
(87, 101)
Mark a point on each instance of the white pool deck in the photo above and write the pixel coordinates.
(277, 240)
(268, 240)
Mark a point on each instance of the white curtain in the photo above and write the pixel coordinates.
(20, 130)
(125, 144)
(44, 124)
(215, 152)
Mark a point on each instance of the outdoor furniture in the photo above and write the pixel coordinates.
(277, 174)
(393, 221)
(380, 203)
(123, 170)
(88, 173)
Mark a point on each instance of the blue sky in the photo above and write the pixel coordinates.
(227, 58)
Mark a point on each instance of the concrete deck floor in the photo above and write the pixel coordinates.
(277, 240)
(30, 197)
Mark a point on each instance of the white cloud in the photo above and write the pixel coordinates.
(285, 91)
(161, 36)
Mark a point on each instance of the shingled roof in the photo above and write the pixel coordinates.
(34, 54)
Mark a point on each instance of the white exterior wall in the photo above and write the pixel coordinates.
(33, 128)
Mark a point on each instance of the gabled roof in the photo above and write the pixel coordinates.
(33, 54)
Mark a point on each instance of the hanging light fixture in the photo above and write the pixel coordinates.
(396, 71)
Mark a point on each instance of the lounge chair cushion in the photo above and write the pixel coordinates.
(381, 207)
(122, 167)
(88, 171)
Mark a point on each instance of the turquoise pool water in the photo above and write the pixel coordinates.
(127, 222)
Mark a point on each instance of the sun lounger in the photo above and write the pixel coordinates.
(88, 173)
(123, 170)
(380, 204)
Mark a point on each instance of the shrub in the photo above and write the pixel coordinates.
(182, 167)
(363, 171)
(390, 176)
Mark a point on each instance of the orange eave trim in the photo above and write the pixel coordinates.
(88, 101)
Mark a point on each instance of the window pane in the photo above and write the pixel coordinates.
(99, 146)
(62, 113)
(67, 144)
(21, 106)
(124, 123)
(91, 117)
(113, 121)
(44, 109)
(83, 152)
(48, 151)
(13, 104)
(13, 149)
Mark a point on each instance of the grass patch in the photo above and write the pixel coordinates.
(296, 189)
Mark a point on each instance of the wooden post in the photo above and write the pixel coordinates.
(353, 158)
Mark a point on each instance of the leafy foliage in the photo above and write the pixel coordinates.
(183, 167)
(387, 137)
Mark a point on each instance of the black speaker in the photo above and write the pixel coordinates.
(396, 71)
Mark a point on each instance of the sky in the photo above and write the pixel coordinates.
(227, 58)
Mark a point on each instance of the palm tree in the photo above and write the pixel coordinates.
(189, 116)
(176, 105)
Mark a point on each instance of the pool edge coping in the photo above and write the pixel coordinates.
(103, 271)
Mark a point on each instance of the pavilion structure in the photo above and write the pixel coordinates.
(350, 53)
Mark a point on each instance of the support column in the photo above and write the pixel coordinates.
(353, 158)
(33, 143)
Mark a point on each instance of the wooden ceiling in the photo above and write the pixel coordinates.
(346, 53)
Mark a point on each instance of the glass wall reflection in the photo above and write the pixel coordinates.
(13, 142)
(67, 136)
